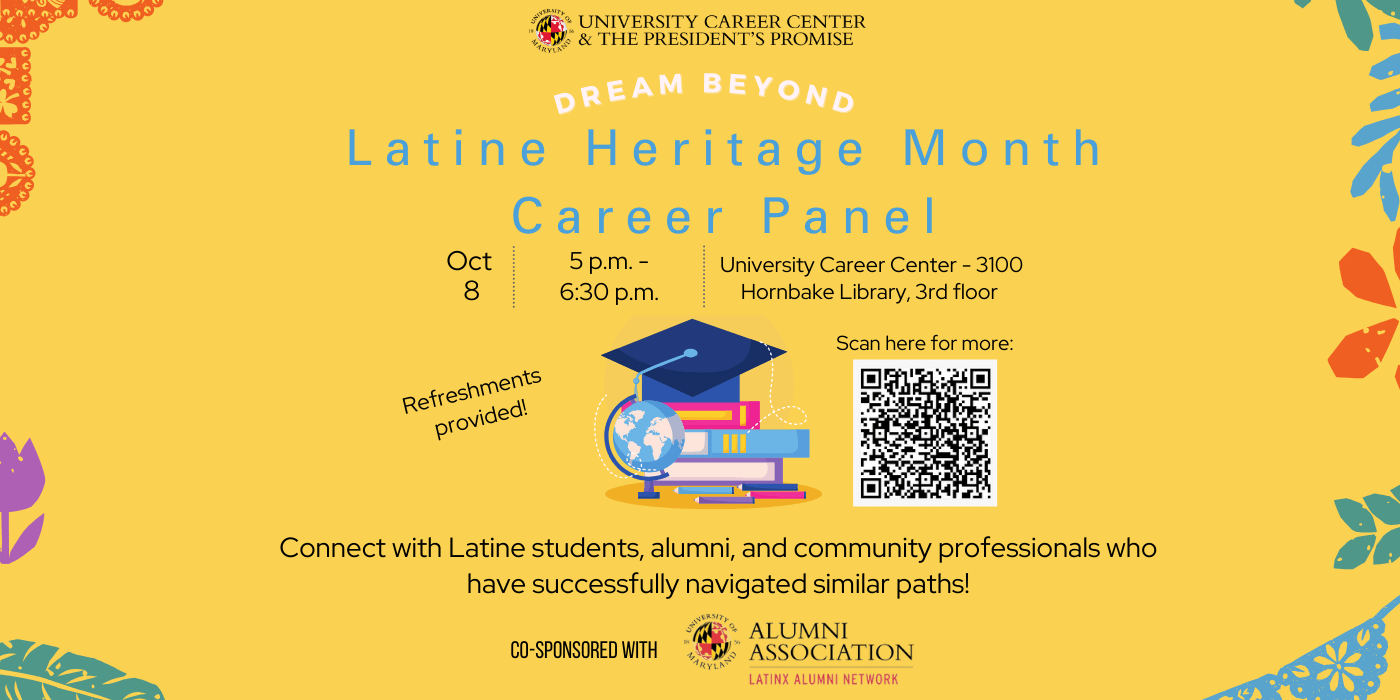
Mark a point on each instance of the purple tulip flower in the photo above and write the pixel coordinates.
(21, 482)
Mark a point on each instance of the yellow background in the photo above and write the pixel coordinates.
(211, 318)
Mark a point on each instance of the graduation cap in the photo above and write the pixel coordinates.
(712, 375)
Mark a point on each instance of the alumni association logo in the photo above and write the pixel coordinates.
(551, 30)
(713, 641)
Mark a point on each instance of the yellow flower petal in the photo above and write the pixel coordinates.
(1346, 683)
(1333, 684)
(1323, 660)
(1302, 671)
(1352, 670)
(1353, 658)
(1341, 651)
(1323, 674)
(1332, 654)
(1363, 636)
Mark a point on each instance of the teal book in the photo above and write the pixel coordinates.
(726, 490)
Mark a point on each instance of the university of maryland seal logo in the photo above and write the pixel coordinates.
(551, 30)
(712, 641)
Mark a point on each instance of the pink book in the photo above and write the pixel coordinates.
(742, 415)
(778, 494)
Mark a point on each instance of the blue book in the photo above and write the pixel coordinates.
(727, 490)
(746, 444)
(768, 487)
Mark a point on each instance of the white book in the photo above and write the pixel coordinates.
(724, 471)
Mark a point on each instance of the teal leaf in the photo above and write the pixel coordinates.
(1396, 491)
(1384, 507)
(1356, 22)
(1388, 7)
(35, 670)
(1353, 553)
(1301, 3)
(1355, 515)
(1389, 548)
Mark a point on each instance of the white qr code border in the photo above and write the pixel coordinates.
(856, 500)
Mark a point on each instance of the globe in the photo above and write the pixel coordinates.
(648, 436)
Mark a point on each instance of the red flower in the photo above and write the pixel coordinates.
(1361, 353)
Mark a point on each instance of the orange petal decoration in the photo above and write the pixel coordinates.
(1363, 277)
(14, 85)
(1397, 251)
(126, 10)
(1361, 352)
(25, 20)
(16, 173)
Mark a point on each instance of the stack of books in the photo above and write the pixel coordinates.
(696, 369)
(724, 448)
(755, 493)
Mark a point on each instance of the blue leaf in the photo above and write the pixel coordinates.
(1356, 22)
(1389, 197)
(1389, 100)
(1354, 552)
(1375, 130)
(1355, 515)
(1386, 69)
(1372, 168)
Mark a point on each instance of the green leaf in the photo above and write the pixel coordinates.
(1356, 22)
(1390, 8)
(1301, 3)
(1384, 507)
(1389, 548)
(1355, 515)
(1353, 553)
(34, 670)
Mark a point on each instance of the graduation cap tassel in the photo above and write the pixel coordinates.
(637, 380)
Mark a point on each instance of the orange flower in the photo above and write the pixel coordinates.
(1361, 353)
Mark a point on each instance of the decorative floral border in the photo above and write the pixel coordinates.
(23, 21)
(126, 13)
(15, 88)
(1351, 665)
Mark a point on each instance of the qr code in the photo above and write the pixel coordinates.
(925, 433)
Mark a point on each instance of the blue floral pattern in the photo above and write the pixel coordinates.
(1349, 666)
